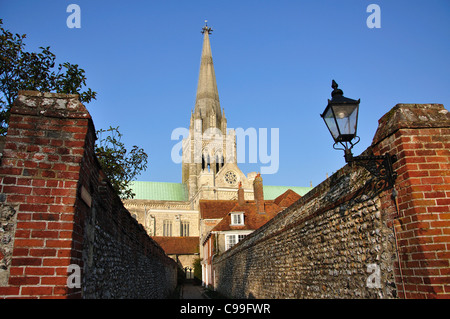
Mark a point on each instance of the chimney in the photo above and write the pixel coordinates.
(258, 193)
(241, 200)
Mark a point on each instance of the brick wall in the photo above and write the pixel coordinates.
(420, 136)
(345, 237)
(57, 210)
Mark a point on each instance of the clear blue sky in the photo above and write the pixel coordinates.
(274, 62)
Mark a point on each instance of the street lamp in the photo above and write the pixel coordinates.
(341, 119)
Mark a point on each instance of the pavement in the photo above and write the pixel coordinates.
(191, 291)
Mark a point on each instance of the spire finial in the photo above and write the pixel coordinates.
(336, 91)
(206, 28)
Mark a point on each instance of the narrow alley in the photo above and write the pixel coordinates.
(190, 291)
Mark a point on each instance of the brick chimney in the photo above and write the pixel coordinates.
(258, 194)
(241, 200)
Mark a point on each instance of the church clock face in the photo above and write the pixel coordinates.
(230, 177)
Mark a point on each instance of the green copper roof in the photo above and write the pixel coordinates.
(160, 191)
(272, 192)
(178, 191)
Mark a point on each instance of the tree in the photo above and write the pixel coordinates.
(22, 70)
(197, 270)
(120, 166)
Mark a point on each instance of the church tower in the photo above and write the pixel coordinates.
(209, 146)
(207, 104)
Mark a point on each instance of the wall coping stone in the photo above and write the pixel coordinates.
(403, 116)
(50, 105)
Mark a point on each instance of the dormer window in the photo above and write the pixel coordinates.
(237, 219)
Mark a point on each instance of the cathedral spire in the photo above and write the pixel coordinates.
(207, 100)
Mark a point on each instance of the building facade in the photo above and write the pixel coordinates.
(210, 176)
(243, 218)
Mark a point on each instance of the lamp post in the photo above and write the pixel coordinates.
(341, 119)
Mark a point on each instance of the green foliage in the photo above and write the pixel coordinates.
(119, 165)
(22, 70)
(197, 270)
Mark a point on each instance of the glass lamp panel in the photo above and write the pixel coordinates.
(346, 119)
(331, 123)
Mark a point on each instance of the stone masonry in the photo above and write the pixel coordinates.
(350, 237)
(59, 211)
(319, 248)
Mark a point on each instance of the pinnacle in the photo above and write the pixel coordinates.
(207, 98)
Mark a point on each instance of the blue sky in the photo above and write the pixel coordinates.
(274, 62)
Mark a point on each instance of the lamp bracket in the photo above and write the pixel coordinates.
(379, 166)
(347, 145)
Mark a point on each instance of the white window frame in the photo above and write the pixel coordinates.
(237, 237)
(228, 243)
(237, 219)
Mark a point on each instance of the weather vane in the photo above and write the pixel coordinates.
(206, 28)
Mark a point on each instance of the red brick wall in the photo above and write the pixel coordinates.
(324, 245)
(420, 136)
(39, 175)
(48, 162)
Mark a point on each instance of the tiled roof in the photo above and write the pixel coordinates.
(159, 191)
(215, 209)
(252, 219)
(178, 245)
(287, 198)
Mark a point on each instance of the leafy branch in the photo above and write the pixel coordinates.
(120, 165)
(22, 70)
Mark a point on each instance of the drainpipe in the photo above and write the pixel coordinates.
(216, 252)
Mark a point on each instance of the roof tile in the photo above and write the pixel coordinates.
(178, 245)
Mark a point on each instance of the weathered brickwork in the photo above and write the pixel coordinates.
(58, 210)
(321, 247)
(333, 241)
(420, 135)
(7, 229)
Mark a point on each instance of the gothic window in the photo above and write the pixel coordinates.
(167, 228)
(230, 177)
(219, 162)
(185, 229)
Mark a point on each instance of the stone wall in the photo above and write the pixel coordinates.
(344, 239)
(58, 212)
(321, 247)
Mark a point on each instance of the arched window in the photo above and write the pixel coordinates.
(217, 163)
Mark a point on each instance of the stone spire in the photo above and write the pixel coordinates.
(207, 105)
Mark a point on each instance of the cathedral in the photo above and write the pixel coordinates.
(180, 216)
